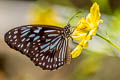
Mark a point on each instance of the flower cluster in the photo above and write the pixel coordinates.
(47, 15)
(86, 28)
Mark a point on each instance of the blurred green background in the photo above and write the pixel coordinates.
(100, 61)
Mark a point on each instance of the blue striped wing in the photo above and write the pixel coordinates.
(45, 45)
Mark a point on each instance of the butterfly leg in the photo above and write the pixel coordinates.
(73, 41)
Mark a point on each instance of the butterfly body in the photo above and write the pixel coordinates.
(47, 46)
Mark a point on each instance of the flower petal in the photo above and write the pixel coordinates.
(76, 52)
(94, 15)
(77, 35)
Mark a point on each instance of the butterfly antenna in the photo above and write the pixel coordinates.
(73, 16)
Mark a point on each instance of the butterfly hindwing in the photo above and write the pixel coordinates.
(43, 44)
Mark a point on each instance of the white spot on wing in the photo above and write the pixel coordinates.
(15, 37)
(37, 59)
(47, 40)
(59, 64)
(42, 58)
(28, 44)
(11, 40)
(9, 32)
(29, 26)
(50, 66)
(59, 60)
(55, 59)
(45, 45)
(49, 31)
(33, 58)
(32, 35)
(40, 63)
(47, 66)
(27, 51)
(43, 37)
(23, 39)
(38, 40)
(19, 45)
(37, 37)
(24, 34)
(56, 65)
(46, 57)
(44, 50)
(52, 35)
(63, 50)
(15, 32)
(53, 65)
(9, 36)
(41, 54)
(51, 60)
(31, 51)
(36, 48)
(25, 30)
(28, 39)
(43, 63)
(24, 50)
(38, 29)
(36, 55)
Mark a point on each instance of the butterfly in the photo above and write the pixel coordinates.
(46, 45)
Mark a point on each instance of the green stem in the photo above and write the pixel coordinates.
(110, 42)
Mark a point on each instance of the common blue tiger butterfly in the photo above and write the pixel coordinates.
(46, 45)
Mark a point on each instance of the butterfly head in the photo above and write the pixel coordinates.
(67, 30)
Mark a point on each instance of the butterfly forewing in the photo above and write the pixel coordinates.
(45, 45)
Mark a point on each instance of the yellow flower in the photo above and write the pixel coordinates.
(86, 28)
(44, 15)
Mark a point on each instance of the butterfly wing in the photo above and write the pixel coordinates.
(45, 45)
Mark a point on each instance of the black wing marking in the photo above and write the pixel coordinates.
(45, 45)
